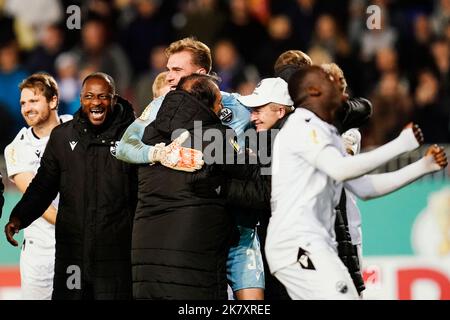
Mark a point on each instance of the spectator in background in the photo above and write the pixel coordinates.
(230, 67)
(374, 40)
(244, 30)
(157, 61)
(441, 60)
(11, 74)
(6, 26)
(69, 84)
(441, 16)
(280, 39)
(357, 21)
(100, 54)
(303, 14)
(32, 17)
(415, 51)
(392, 110)
(429, 114)
(148, 30)
(105, 10)
(43, 57)
(447, 32)
(201, 13)
(385, 61)
(328, 37)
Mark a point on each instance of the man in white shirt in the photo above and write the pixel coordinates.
(309, 170)
(39, 108)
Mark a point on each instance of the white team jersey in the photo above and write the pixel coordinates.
(303, 198)
(354, 218)
(24, 154)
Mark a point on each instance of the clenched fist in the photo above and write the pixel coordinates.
(438, 154)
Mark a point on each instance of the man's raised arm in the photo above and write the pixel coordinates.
(341, 168)
(377, 185)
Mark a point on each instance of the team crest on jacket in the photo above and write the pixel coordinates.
(226, 115)
(114, 148)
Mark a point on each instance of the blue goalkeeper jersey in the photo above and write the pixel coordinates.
(131, 149)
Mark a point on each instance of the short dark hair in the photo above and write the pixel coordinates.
(104, 76)
(43, 83)
(200, 86)
(298, 84)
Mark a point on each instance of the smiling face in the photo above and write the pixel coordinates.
(35, 108)
(266, 116)
(180, 65)
(97, 100)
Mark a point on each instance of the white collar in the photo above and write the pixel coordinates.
(305, 114)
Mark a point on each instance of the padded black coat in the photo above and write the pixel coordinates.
(181, 230)
(96, 207)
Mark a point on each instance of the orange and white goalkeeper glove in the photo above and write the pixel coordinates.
(176, 157)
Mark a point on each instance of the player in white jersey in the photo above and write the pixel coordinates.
(310, 168)
(39, 104)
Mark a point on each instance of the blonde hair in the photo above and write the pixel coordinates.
(201, 54)
(336, 72)
(292, 57)
(160, 86)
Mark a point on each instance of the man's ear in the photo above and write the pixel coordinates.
(54, 103)
(201, 71)
(314, 91)
(281, 112)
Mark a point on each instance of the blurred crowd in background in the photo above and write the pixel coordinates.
(403, 67)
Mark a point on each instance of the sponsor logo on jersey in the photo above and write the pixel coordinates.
(226, 115)
(73, 144)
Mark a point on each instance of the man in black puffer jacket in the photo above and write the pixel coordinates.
(181, 232)
(97, 197)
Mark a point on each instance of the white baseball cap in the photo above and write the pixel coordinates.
(268, 90)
